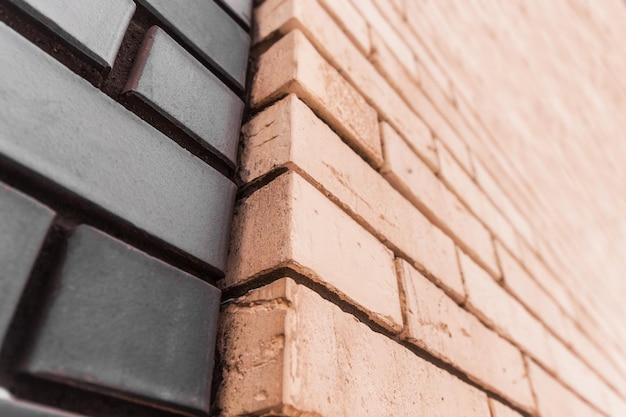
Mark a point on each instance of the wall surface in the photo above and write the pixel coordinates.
(430, 220)
(119, 130)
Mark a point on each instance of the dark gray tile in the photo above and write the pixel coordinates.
(23, 226)
(173, 82)
(210, 31)
(242, 8)
(128, 324)
(55, 123)
(14, 408)
(96, 28)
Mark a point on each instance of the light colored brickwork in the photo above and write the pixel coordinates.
(412, 167)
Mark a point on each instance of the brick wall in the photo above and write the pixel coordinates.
(119, 129)
(430, 220)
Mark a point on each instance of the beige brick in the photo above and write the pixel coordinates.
(350, 21)
(292, 65)
(417, 183)
(495, 306)
(300, 355)
(553, 399)
(500, 410)
(308, 16)
(531, 294)
(598, 359)
(288, 134)
(437, 324)
(546, 279)
(288, 223)
(501, 200)
(573, 372)
(388, 33)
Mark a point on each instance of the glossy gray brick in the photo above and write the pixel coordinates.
(173, 82)
(242, 8)
(94, 27)
(127, 324)
(204, 26)
(14, 408)
(58, 125)
(23, 226)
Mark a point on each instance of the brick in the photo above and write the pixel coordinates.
(437, 324)
(334, 45)
(418, 184)
(127, 324)
(292, 65)
(96, 29)
(176, 85)
(500, 200)
(289, 135)
(15, 408)
(396, 43)
(598, 359)
(464, 187)
(208, 29)
(290, 223)
(573, 372)
(546, 279)
(308, 356)
(495, 306)
(23, 226)
(128, 168)
(531, 294)
(350, 21)
(500, 410)
(241, 8)
(553, 399)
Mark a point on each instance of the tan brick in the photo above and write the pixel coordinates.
(288, 134)
(573, 372)
(388, 33)
(598, 359)
(500, 410)
(290, 223)
(308, 16)
(350, 21)
(292, 65)
(417, 183)
(553, 399)
(437, 324)
(494, 305)
(501, 200)
(546, 279)
(317, 360)
(531, 294)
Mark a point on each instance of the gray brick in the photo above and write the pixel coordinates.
(242, 8)
(210, 31)
(183, 90)
(58, 125)
(127, 324)
(23, 227)
(94, 27)
(12, 408)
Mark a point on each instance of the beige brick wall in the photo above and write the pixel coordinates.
(430, 218)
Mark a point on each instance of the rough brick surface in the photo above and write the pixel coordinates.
(269, 142)
(494, 305)
(437, 324)
(290, 223)
(307, 357)
(293, 65)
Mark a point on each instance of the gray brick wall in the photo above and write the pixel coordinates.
(119, 125)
